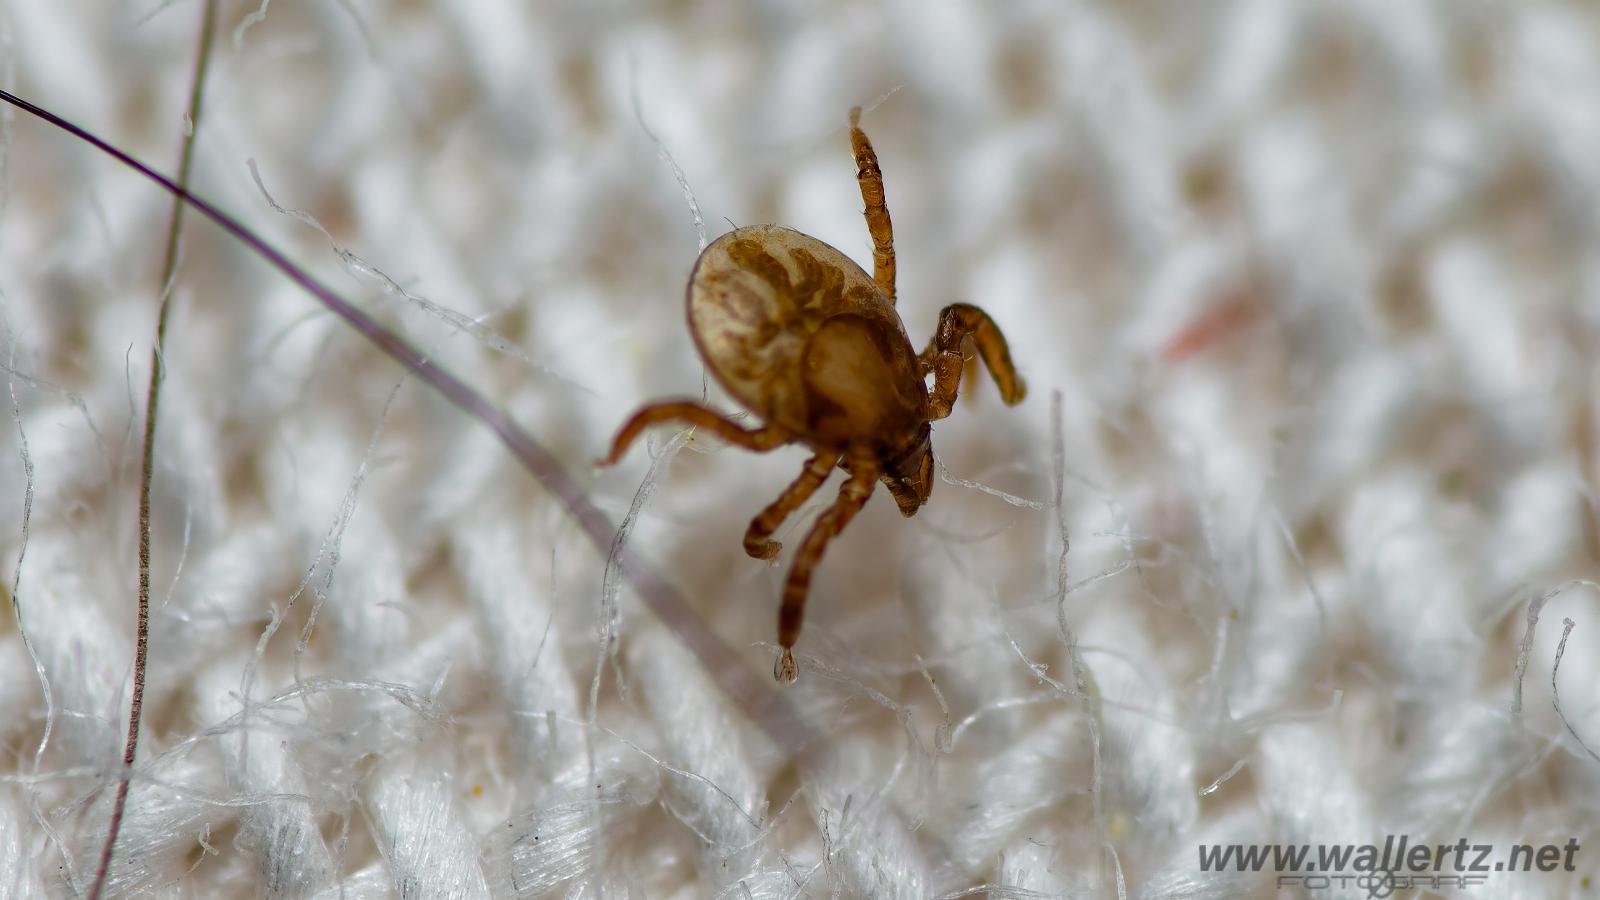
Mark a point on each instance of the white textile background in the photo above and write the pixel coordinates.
(1308, 301)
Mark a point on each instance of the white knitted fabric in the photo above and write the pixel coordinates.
(1306, 296)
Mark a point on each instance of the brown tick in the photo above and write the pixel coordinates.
(797, 332)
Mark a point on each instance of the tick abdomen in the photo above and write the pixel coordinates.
(801, 335)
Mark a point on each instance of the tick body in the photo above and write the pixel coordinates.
(811, 344)
(800, 335)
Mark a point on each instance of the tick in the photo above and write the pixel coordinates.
(799, 334)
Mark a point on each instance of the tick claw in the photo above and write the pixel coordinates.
(786, 671)
(763, 550)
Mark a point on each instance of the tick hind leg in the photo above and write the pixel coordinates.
(852, 496)
(870, 177)
(758, 539)
(943, 357)
(691, 413)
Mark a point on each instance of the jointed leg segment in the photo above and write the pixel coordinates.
(852, 496)
(691, 413)
(943, 357)
(870, 178)
(757, 540)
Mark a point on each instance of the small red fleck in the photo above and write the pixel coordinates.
(1234, 312)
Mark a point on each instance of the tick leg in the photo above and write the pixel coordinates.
(699, 416)
(870, 178)
(943, 357)
(852, 496)
(757, 540)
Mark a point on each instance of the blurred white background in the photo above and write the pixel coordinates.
(1315, 285)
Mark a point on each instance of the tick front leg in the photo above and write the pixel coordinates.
(691, 413)
(943, 357)
(852, 496)
(870, 177)
(757, 540)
